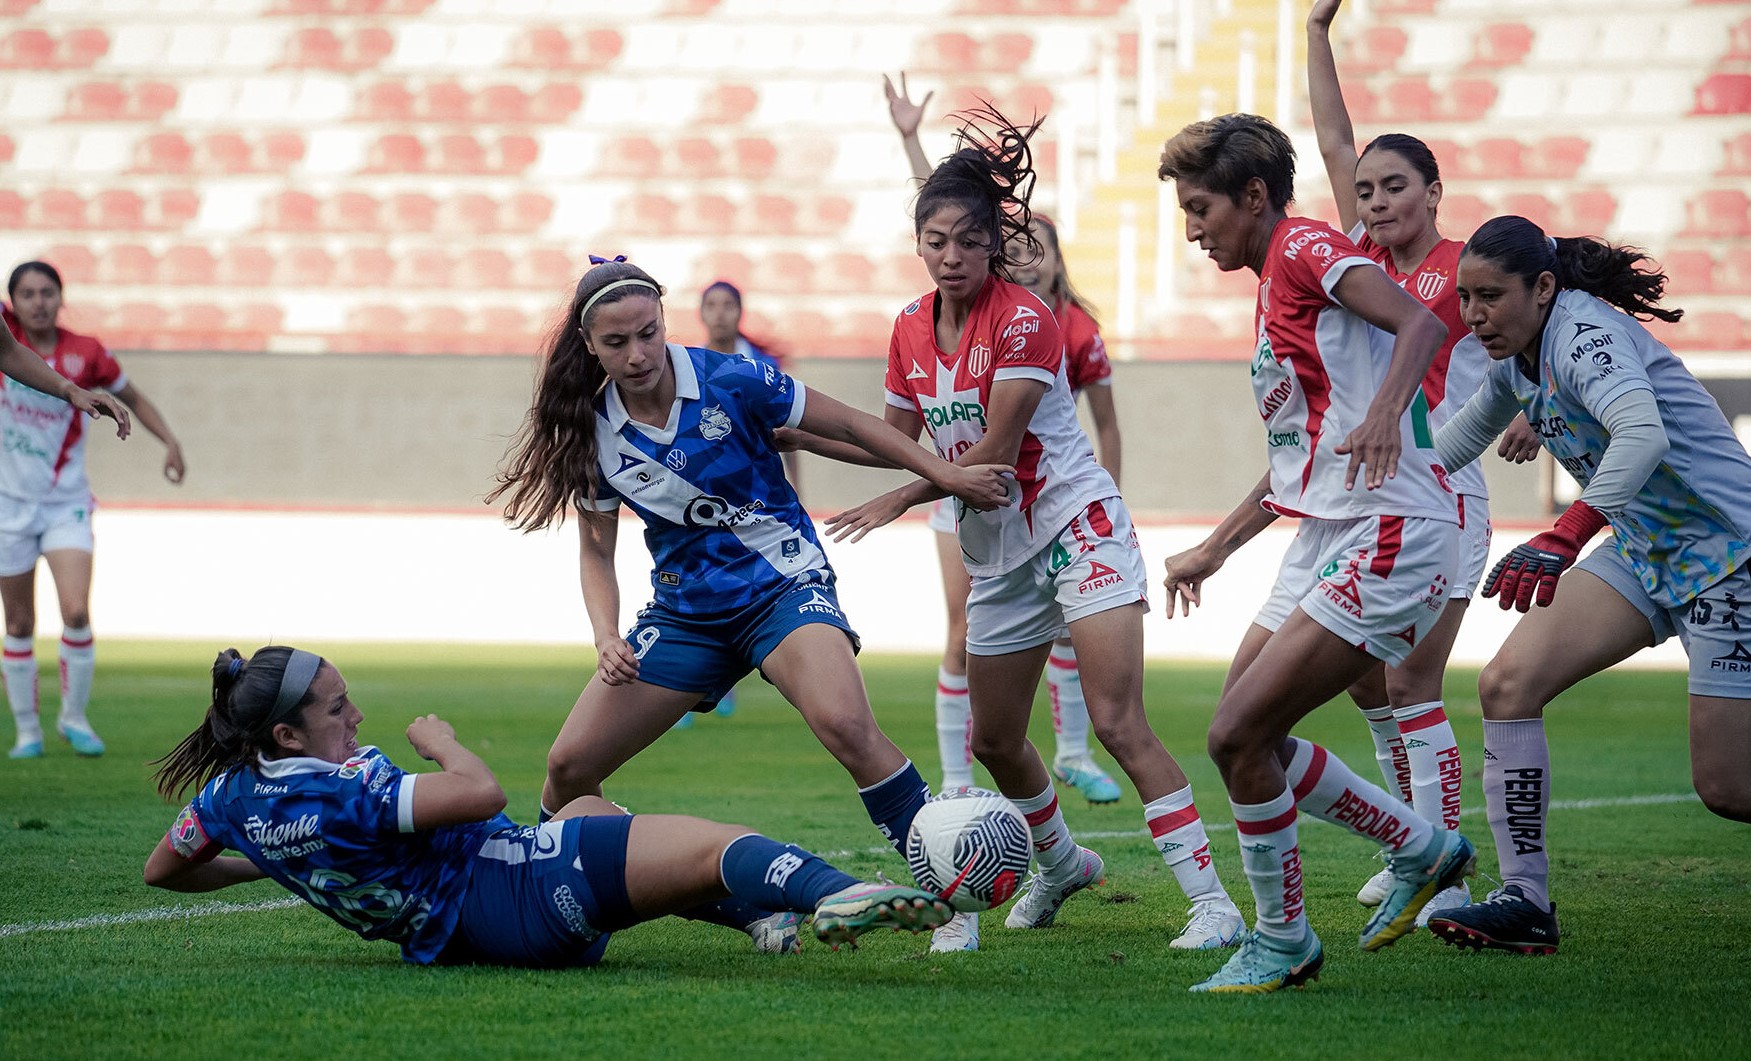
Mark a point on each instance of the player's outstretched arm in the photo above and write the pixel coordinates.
(1331, 119)
(167, 869)
(907, 116)
(1418, 334)
(1184, 573)
(466, 791)
(153, 421)
(17, 361)
(982, 486)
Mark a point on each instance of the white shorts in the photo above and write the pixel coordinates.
(1094, 565)
(28, 529)
(942, 515)
(1378, 582)
(1474, 546)
(1714, 627)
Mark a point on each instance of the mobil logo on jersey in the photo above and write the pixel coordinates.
(1430, 283)
(1026, 322)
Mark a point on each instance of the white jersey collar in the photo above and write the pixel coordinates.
(686, 388)
(302, 764)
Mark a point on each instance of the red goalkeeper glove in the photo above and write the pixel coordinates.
(1536, 565)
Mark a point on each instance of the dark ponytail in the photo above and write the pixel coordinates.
(991, 177)
(552, 462)
(1623, 276)
(239, 723)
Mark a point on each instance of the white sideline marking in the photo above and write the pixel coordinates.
(169, 913)
(162, 913)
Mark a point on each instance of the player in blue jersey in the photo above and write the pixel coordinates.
(430, 862)
(1657, 462)
(684, 437)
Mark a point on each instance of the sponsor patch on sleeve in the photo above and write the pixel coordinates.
(187, 837)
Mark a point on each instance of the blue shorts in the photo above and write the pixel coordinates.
(545, 895)
(709, 655)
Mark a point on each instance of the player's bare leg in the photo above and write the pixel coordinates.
(607, 726)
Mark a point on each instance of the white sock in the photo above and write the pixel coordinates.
(1185, 847)
(19, 670)
(1329, 790)
(1433, 752)
(1053, 847)
(1395, 768)
(78, 664)
(1069, 709)
(1516, 792)
(1270, 853)
(954, 728)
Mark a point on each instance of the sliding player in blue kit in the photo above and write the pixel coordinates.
(428, 860)
(684, 437)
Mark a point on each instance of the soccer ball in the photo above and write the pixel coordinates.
(969, 846)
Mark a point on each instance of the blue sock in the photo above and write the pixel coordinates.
(730, 913)
(893, 803)
(774, 876)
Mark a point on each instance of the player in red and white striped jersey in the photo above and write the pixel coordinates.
(1090, 375)
(1341, 353)
(1387, 198)
(979, 363)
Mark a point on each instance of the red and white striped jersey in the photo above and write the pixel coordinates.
(1085, 355)
(1315, 370)
(1458, 368)
(43, 458)
(1011, 334)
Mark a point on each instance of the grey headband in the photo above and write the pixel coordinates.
(301, 670)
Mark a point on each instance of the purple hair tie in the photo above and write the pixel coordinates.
(594, 260)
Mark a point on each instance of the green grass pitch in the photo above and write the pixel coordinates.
(1654, 894)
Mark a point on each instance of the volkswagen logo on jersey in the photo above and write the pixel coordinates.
(676, 459)
(714, 423)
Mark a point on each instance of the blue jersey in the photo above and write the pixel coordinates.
(1690, 524)
(722, 523)
(747, 348)
(341, 837)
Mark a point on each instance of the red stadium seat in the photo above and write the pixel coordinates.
(544, 269)
(787, 271)
(723, 265)
(152, 100)
(1688, 272)
(727, 105)
(849, 273)
(322, 49)
(483, 269)
(828, 215)
(173, 208)
(292, 212)
(1375, 49)
(83, 47)
(76, 263)
(1588, 211)
(444, 101)
(118, 208)
(511, 155)
(425, 267)
(1724, 93)
(1719, 213)
(709, 215)
(1499, 158)
(458, 153)
(1466, 99)
(544, 48)
(101, 101)
(698, 157)
(1559, 157)
(499, 103)
(58, 208)
(246, 266)
(1739, 40)
(7, 149)
(139, 324)
(630, 156)
(597, 48)
(412, 212)
(1707, 330)
(471, 212)
(1462, 214)
(127, 263)
(554, 103)
(199, 324)
(526, 212)
(1736, 156)
(440, 329)
(28, 49)
(397, 153)
(351, 212)
(226, 153)
(279, 151)
(504, 330)
(304, 267)
(861, 334)
(1502, 44)
(771, 215)
(756, 157)
(377, 320)
(259, 319)
(1534, 208)
(1029, 101)
(1006, 51)
(365, 268)
(189, 264)
(1409, 100)
(947, 53)
(386, 101)
(12, 209)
